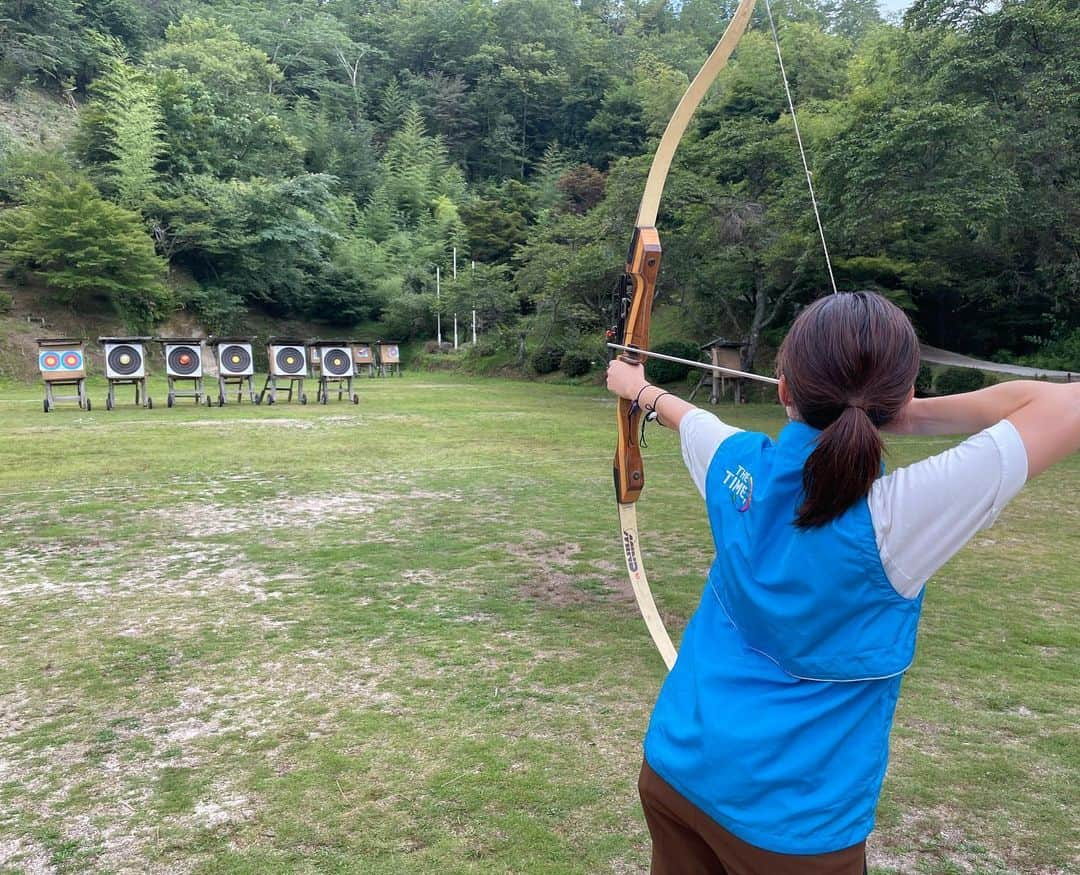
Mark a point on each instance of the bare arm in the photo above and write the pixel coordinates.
(1047, 416)
(628, 381)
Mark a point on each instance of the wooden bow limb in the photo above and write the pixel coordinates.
(731, 372)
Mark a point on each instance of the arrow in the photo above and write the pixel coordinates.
(670, 358)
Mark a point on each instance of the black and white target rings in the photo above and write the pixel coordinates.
(124, 360)
(291, 360)
(336, 363)
(183, 356)
(183, 361)
(236, 359)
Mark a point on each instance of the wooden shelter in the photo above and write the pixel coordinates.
(723, 353)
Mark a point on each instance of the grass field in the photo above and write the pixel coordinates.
(396, 638)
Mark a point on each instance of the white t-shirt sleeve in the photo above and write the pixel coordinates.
(701, 434)
(924, 513)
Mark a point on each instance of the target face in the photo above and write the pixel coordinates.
(362, 354)
(184, 361)
(60, 362)
(336, 363)
(235, 359)
(290, 360)
(124, 360)
(390, 353)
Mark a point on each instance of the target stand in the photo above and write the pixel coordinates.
(389, 357)
(236, 367)
(184, 364)
(287, 358)
(125, 365)
(62, 362)
(336, 368)
(363, 357)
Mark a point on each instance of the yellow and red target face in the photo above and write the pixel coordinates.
(184, 361)
(52, 361)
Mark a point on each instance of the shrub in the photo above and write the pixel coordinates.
(576, 363)
(6, 302)
(924, 382)
(660, 371)
(85, 247)
(954, 381)
(546, 359)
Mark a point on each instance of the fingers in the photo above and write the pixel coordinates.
(625, 379)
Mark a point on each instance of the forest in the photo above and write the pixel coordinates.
(324, 159)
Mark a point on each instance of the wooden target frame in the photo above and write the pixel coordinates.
(336, 367)
(389, 356)
(235, 357)
(62, 362)
(364, 357)
(184, 357)
(280, 351)
(126, 364)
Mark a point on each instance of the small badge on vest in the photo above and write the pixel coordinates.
(740, 483)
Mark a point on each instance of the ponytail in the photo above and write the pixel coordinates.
(841, 469)
(849, 363)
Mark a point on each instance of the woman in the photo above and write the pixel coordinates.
(769, 740)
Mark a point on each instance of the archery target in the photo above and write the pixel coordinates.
(62, 364)
(235, 360)
(124, 361)
(362, 354)
(288, 361)
(389, 354)
(183, 360)
(336, 362)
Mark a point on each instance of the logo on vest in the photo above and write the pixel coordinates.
(741, 485)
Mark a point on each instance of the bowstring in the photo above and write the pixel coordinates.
(802, 149)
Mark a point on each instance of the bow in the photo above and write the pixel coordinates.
(634, 299)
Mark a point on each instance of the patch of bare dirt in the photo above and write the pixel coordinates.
(553, 578)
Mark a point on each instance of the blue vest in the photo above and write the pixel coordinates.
(775, 719)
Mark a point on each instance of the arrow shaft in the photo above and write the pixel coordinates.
(731, 372)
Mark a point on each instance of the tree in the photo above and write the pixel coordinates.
(121, 131)
(84, 247)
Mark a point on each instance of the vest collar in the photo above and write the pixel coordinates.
(798, 438)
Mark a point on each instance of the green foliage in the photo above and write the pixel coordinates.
(660, 371)
(576, 363)
(325, 159)
(954, 381)
(924, 380)
(546, 359)
(85, 247)
(121, 131)
(6, 302)
(218, 310)
(1060, 353)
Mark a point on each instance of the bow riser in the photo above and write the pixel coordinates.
(642, 268)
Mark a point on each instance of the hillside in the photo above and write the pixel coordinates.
(32, 118)
(35, 315)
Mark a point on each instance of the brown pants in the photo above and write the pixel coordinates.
(686, 841)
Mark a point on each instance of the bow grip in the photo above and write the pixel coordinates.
(642, 269)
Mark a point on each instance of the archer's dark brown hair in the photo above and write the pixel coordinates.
(849, 362)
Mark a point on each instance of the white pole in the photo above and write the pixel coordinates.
(438, 307)
(474, 327)
(473, 279)
(455, 331)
